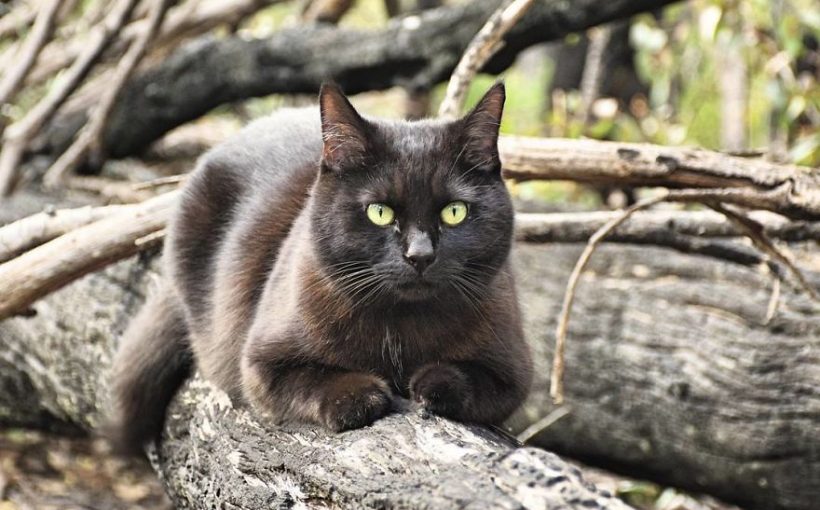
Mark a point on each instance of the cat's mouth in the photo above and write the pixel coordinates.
(416, 289)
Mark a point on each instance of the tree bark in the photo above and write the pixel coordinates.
(786, 189)
(671, 374)
(415, 52)
(214, 455)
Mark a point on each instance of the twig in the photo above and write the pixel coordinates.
(96, 125)
(557, 375)
(110, 189)
(710, 198)
(160, 181)
(543, 424)
(17, 136)
(37, 38)
(484, 45)
(50, 266)
(593, 70)
(190, 19)
(32, 231)
(754, 231)
(22, 16)
(774, 300)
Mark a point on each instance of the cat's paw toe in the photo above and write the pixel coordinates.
(356, 402)
(440, 389)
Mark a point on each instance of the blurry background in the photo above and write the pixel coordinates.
(735, 76)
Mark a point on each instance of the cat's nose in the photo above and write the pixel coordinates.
(420, 253)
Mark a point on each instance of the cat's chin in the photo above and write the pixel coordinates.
(415, 291)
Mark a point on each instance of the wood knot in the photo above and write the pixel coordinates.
(628, 154)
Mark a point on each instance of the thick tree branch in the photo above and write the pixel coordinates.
(786, 189)
(190, 19)
(415, 52)
(49, 267)
(673, 374)
(32, 231)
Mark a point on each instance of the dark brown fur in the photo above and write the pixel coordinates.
(261, 252)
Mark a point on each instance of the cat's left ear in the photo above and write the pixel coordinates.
(481, 127)
(344, 131)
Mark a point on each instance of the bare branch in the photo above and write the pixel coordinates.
(17, 136)
(32, 231)
(786, 189)
(593, 68)
(754, 231)
(78, 151)
(484, 45)
(50, 266)
(22, 16)
(40, 33)
(557, 375)
(190, 19)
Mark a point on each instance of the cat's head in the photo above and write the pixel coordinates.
(411, 211)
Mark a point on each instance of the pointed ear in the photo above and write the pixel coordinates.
(344, 131)
(481, 127)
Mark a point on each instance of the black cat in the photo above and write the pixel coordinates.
(319, 265)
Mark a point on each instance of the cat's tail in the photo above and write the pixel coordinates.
(153, 359)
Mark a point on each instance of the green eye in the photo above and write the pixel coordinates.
(454, 213)
(380, 214)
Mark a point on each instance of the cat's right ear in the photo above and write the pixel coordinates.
(344, 131)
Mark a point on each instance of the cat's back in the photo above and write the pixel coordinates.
(260, 174)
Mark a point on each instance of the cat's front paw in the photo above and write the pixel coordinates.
(442, 389)
(355, 400)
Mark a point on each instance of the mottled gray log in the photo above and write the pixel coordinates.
(414, 52)
(671, 374)
(216, 456)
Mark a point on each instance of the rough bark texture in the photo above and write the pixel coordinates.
(670, 374)
(794, 191)
(54, 367)
(415, 52)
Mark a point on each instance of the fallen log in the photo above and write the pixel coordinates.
(214, 455)
(671, 375)
(414, 52)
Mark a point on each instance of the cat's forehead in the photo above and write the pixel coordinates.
(416, 139)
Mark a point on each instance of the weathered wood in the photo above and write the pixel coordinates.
(414, 52)
(32, 231)
(671, 374)
(577, 227)
(622, 164)
(48, 267)
(217, 456)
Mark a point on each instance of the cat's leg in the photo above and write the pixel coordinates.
(286, 385)
(472, 391)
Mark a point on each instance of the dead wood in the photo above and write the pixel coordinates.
(672, 375)
(414, 52)
(483, 46)
(89, 137)
(38, 37)
(17, 136)
(786, 189)
(216, 455)
(52, 265)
